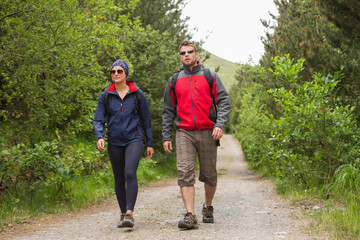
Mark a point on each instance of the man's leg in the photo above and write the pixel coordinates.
(209, 194)
(208, 210)
(190, 221)
(208, 173)
(185, 162)
(188, 196)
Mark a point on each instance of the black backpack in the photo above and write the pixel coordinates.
(137, 107)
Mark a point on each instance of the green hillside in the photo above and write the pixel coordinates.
(226, 71)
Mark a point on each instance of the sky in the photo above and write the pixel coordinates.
(233, 26)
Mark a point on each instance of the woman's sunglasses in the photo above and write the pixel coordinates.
(119, 71)
(189, 52)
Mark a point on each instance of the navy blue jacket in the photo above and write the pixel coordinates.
(124, 122)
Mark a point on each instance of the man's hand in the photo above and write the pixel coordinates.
(217, 133)
(167, 146)
(101, 144)
(150, 152)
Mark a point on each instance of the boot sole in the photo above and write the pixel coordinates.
(208, 220)
(127, 224)
(184, 225)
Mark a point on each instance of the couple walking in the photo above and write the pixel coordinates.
(196, 101)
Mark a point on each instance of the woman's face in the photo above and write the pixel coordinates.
(118, 74)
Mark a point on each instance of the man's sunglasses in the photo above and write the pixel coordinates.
(189, 52)
(119, 71)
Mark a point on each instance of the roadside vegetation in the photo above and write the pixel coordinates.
(296, 113)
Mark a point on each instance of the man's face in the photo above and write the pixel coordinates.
(188, 56)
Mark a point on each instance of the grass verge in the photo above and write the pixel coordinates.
(25, 204)
(337, 216)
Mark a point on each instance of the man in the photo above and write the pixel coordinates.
(199, 127)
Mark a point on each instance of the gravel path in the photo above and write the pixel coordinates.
(245, 207)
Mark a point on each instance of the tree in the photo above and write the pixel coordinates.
(311, 30)
(345, 15)
(301, 32)
(164, 16)
(50, 60)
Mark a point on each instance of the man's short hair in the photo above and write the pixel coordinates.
(187, 43)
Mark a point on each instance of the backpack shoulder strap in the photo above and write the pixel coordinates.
(210, 81)
(137, 100)
(173, 80)
(107, 107)
(138, 111)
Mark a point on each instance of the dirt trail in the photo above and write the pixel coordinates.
(245, 207)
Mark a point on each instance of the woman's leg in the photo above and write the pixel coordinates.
(117, 159)
(133, 154)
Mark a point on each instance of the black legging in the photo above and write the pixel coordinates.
(124, 163)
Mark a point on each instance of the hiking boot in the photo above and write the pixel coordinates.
(207, 213)
(128, 221)
(189, 222)
(120, 224)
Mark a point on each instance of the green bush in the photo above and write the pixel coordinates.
(251, 126)
(24, 167)
(314, 134)
(306, 136)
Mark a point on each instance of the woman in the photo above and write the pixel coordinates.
(128, 122)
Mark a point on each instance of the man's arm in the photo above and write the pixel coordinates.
(168, 115)
(223, 103)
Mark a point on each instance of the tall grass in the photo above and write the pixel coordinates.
(342, 215)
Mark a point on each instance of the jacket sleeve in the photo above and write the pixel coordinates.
(99, 119)
(145, 113)
(168, 114)
(223, 103)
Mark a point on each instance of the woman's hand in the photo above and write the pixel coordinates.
(150, 152)
(101, 144)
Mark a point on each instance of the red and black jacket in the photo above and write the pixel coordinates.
(193, 108)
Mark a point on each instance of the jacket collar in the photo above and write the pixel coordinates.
(195, 69)
(132, 85)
